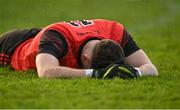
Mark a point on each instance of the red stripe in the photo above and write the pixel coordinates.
(4, 55)
(4, 63)
(124, 43)
(4, 59)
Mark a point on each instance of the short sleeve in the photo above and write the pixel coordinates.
(128, 44)
(53, 42)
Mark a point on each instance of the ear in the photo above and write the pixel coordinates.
(85, 60)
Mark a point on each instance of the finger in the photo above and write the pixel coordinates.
(124, 69)
(124, 73)
(108, 71)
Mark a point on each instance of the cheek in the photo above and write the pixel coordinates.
(86, 64)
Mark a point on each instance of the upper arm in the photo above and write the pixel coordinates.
(52, 47)
(138, 59)
(52, 42)
(45, 61)
(134, 55)
(128, 44)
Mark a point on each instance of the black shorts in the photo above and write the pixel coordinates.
(10, 40)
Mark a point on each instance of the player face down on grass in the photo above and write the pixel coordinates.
(105, 53)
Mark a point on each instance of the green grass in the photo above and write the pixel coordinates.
(153, 23)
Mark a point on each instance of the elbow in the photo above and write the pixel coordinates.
(42, 74)
(48, 73)
(156, 72)
(149, 70)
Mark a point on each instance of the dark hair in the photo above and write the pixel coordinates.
(105, 53)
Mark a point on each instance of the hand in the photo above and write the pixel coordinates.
(126, 71)
(123, 71)
(109, 72)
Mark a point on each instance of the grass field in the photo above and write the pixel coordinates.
(155, 25)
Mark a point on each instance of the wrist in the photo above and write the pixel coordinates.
(88, 72)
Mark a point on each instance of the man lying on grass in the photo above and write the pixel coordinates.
(87, 48)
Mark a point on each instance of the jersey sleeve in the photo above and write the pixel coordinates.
(52, 42)
(128, 44)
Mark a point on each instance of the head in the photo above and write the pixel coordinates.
(87, 52)
(99, 54)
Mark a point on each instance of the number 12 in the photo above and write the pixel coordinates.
(81, 23)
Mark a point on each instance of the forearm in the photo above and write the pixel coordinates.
(59, 71)
(48, 67)
(148, 70)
